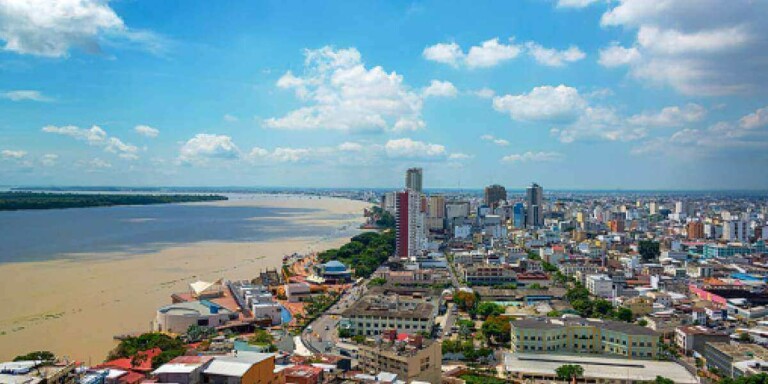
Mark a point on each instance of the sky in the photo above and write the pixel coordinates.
(577, 94)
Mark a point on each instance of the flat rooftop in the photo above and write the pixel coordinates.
(598, 367)
(552, 323)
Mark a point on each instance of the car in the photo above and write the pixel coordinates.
(327, 328)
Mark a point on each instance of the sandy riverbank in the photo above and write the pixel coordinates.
(74, 307)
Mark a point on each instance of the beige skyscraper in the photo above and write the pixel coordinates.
(413, 178)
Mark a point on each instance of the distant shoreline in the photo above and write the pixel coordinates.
(26, 200)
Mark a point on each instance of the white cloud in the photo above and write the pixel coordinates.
(575, 3)
(97, 137)
(670, 116)
(350, 147)
(231, 118)
(757, 119)
(495, 140)
(412, 149)
(459, 156)
(552, 57)
(491, 53)
(25, 95)
(485, 93)
(488, 54)
(697, 47)
(439, 88)
(203, 147)
(615, 55)
(49, 159)
(13, 154)
(535, 157)
(98, 164)
(446, 53)
(51, 27)
(544, 103)
(146, 131)
(343, 95)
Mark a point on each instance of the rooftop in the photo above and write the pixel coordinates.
(616, 326)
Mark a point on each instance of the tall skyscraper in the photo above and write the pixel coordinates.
(494, 194)
(534, 199)
(518, 215)
(413, 177)
(735, 230)
(409, 223)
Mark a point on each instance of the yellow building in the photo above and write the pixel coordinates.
(243, 368)
(577, 335)
(640, 306)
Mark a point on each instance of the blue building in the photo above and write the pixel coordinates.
(334, 271)
(518, 215)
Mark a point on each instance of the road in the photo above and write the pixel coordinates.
(324, 336)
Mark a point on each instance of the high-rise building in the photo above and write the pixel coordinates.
(653, 207)
(518, 214)
(684, 208)
(409, 223)
(695, 230)
(494, 194)
(436, 212)
(534, 198)
(413, 178)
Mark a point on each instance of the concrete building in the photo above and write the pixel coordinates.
(303, 374)
(725, 356)
(534, 200)
(183, 370)
(694, 230)
(486, 274)
(532, 368)
(600, 285)
(436, 212)
(371, 315)
(494, 195)
(413, 179)
(178, 317)
(409, 223)
(296, 292)
(577, 335)
(693, 338)
(243, 368)
(735, 230)
(411, 357)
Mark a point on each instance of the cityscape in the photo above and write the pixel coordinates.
(383, 192)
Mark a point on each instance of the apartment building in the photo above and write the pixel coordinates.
(371, 315)
(411, 357)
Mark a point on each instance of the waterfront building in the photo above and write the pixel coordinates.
(577, 335)
(178, 317)
(333, 272)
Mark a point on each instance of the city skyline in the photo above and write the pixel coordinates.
(627, 95)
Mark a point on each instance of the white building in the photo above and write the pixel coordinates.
(600, 285)
(177, 318)
(735, 230)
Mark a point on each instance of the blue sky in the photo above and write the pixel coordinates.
(572, 93)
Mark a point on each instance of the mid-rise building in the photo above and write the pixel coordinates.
(735, 230)
(694, 230)
(577, 335)
(371, 315)
(600, 285)
(411, 357)
(725, 356)
(487, 274)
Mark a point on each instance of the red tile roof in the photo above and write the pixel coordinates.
(125, 362)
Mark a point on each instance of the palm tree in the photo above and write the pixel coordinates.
(569, 372)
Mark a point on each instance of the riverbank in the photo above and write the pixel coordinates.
(73, 307)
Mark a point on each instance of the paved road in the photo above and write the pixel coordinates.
(324, 336)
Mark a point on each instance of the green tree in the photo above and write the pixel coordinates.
(45, 356)
(624, 314)
(648, 249)
(497, 328)
(569, 372)
(487, 308)
(663, 380)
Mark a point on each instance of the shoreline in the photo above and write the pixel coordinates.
(74, 306)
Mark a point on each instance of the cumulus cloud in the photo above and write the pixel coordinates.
(670, 116)
(13, 154)
(552, 57)
(485, 93)
(615, 55)
(204, 147)
(488, 54)
(544, 103)
(50, 28)
(146, 131)
(495, 140)
(535, 157)
(439, 88)
(575, 3)
(743, 134)
(697, 47)
(411, 149)
(342, 94)
(231, 118)
(25, 95)
(350, 147)
(96, 136)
